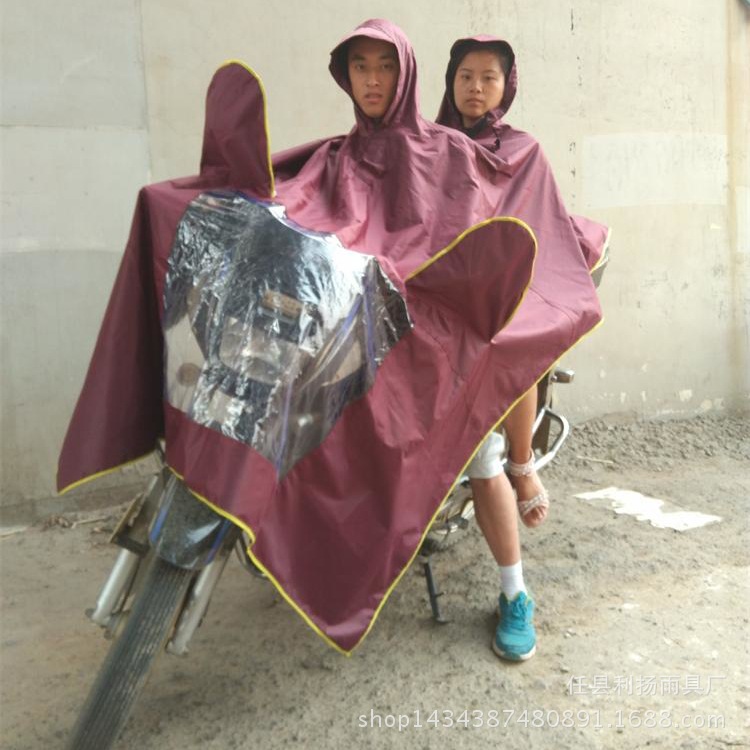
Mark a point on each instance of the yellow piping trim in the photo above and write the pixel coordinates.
(455, 482)
(398, 578)
(237, 522)
(300, 612)
(465, 233)
(244, 65)
(408, 564)
(98, 474)
(509, 219)
(215, 508)
(605, 247)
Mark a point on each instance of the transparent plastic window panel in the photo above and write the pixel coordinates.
(271, 329)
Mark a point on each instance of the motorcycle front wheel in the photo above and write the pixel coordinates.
(127, 664)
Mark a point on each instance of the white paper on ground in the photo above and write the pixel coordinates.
(659, 513)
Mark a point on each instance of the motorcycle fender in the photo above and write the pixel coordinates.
(186, 532)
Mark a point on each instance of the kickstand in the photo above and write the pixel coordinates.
(432, 591)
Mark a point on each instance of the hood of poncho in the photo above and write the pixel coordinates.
(404, 109)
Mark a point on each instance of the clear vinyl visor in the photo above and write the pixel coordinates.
(271, 330)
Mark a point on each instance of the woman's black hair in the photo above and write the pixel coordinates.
(505, 56)
(501, 49)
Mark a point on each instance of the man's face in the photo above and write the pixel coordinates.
(479, 85)
(373, 74)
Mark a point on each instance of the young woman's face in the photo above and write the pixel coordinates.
(373, 74)
(479, 85)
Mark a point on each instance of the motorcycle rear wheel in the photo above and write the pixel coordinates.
(125, 669)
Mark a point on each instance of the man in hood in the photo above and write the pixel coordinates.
(373, 75)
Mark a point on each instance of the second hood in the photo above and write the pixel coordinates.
(404, 109)
(448, 114)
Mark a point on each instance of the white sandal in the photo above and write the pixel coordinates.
(540, 500)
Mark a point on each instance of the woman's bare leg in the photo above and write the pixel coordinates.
(495, 509)
(519, 429)
(495, 505)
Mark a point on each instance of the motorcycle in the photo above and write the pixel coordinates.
(239, 331)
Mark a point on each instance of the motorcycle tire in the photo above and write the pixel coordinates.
(125, 669)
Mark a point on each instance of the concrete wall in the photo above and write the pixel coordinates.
(642, 109)
(75, 149)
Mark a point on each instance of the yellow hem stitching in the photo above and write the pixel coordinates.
(408, 564)
(465, 233)
(255, 560)
(390, 589)
(510, 219)
(605, 247)
(244, 65)
(398, 578)
(98, 474)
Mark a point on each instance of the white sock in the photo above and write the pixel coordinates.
(511, 580)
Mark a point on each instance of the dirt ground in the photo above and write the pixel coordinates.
(643, 632)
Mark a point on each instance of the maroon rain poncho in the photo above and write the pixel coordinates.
(337, 530)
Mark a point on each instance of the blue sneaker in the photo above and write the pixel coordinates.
(515, 637)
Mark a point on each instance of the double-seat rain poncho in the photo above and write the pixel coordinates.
(324, 343)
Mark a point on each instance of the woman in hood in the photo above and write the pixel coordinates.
(481, 83)
(480, 86)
